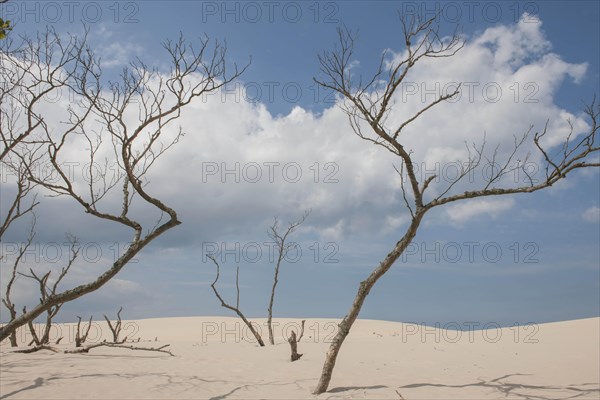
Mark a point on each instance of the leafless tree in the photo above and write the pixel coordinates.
(368, 106)
(20, 206)
(235, 308)
(116, 328)
(7, 300)
(122, 122)
(282, 250)
(80, 337)
(46, 290)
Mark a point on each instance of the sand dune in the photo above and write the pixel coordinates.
(216, 358)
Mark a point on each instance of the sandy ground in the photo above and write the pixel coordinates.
(215, 358)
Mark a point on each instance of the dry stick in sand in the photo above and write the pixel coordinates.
(292, 340)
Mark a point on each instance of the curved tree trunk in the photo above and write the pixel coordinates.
(72, 294)
(363, 290)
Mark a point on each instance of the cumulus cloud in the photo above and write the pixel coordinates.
(515, 59)
(238, 165)
(592, 214)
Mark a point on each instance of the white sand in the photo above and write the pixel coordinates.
(215, 359)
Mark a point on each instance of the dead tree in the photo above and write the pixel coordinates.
(282, 250)
(116, 328)
(18, 208)
(47, 290)
(368, 105)
(6, 300)
(293, 341)
(98, 123)
(80, 337)
(235, 308)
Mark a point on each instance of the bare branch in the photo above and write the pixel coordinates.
(401, 174)
(301, 331)
(86, 349)
(97, 120)
(282, 250)
(368, 106)
(116, 328)
(235, 309)
(7, 301)
(571, 157)
(37, 348)
(47, 290)
(81, 338)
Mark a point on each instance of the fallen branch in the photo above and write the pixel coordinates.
(37, 348)
(86, 349)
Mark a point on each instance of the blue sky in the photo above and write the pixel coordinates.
(527, 258)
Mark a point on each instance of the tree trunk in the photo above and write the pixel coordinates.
(34, 336)
(46, 336)
(72, 294)
(13, 335)
(254, 332)
(13, 339)
(270, 310)
(363, 290)
(293, 341)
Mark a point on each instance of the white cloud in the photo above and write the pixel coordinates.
(592, 214)
(118, 54)
(393, 222)
(464, 211)
(513, 45)
(350, 184)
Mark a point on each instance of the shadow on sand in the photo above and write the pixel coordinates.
(522, 390)
(346, 388)
(502, 385)
(36, 384)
